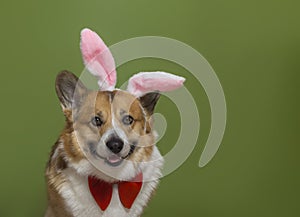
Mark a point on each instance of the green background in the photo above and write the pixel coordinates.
(254, 47)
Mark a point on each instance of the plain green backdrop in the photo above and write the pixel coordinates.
(254, 47)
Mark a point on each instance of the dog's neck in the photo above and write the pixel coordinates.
(71, 188)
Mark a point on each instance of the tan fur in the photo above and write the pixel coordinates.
(125, 101)
(78, 130)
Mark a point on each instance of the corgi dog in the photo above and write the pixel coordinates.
(105, 161)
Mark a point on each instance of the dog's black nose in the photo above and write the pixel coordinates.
(115, 145)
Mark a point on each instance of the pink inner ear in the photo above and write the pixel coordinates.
(98, 59)
(145, 82)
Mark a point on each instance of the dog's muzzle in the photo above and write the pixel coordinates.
(114, 146)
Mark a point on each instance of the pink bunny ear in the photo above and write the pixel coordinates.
(98, 59)
(145, 82)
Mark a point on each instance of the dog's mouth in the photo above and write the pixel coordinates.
(113, 160)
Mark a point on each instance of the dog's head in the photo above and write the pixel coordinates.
(114, 128)
(111, 128)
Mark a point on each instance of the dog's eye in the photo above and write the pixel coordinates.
(96, 121)
(127, 120)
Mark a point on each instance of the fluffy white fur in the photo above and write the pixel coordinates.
(79, 201)
(75, 190)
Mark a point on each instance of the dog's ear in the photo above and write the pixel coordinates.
(149, 100)
(69, 90)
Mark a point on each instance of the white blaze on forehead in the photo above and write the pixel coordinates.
(115, 130)
(116, 125)
(118, 130)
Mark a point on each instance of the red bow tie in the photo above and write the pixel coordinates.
(128, 191)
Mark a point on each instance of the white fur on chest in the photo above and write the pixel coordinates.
(79, 201)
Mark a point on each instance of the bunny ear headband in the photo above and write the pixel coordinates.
(100, 62)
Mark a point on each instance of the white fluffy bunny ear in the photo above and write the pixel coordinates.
(98, 59)
(145, 82)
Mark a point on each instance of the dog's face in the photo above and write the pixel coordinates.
(113, 128)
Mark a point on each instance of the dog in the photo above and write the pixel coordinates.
(105, 162)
